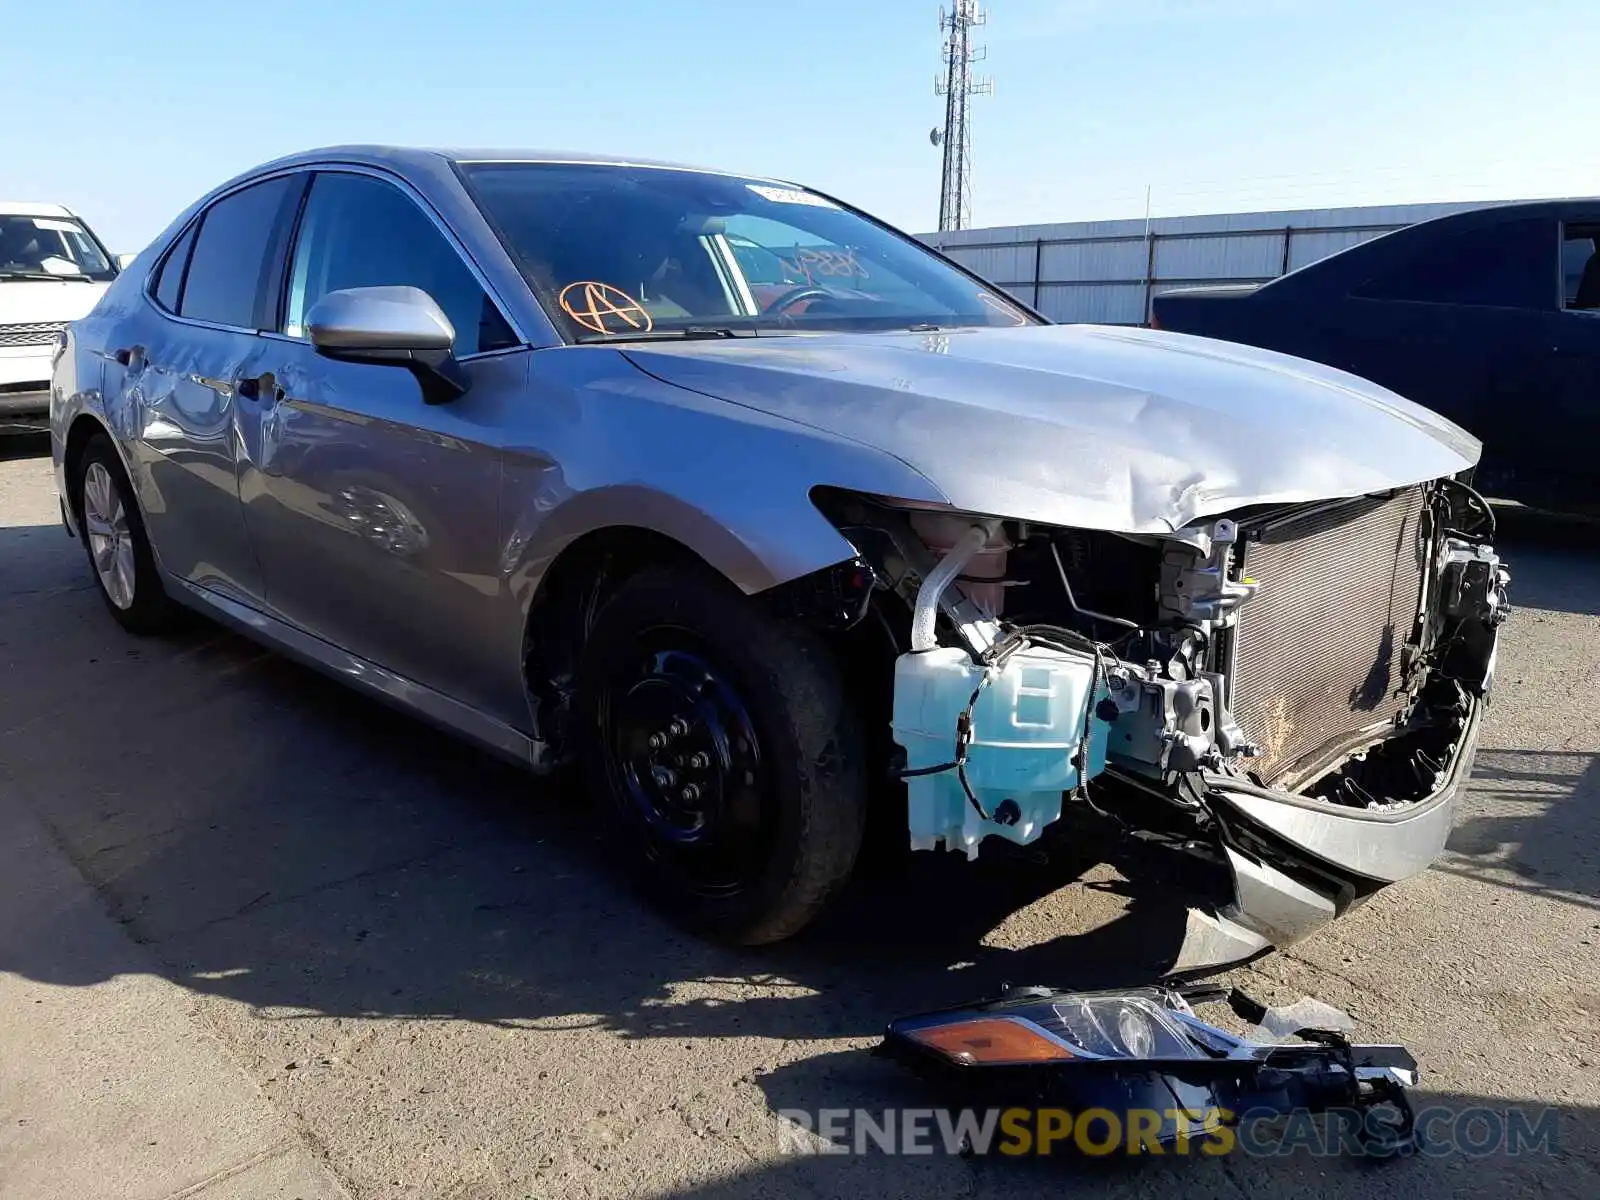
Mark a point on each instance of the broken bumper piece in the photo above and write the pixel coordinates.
(1299, 863)
(1144, 1064)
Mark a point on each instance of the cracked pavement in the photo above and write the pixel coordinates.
(422, 961)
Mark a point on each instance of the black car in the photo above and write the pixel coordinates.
(1489, 317)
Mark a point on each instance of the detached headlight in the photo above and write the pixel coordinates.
(1086, 1026)
(1143, 1061)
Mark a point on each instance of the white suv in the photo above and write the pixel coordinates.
(52, 270)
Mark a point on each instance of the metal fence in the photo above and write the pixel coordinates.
(1108, 271)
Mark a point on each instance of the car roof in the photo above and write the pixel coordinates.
(27, 208)
(1340, 269)
(409, 159)
(1560, 206)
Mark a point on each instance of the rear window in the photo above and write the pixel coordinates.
(237, 252)
(169, 277)
(1580, 267)
(1508, 265)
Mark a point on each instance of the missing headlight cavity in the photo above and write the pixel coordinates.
(1406, 767)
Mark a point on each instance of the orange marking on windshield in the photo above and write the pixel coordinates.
(598, 303)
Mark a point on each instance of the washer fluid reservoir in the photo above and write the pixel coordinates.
(1027, 725)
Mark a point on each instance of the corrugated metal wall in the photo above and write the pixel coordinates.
(1106, 271)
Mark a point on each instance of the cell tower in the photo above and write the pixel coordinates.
(957, 86)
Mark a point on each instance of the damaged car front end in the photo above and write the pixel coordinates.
(1291, 693)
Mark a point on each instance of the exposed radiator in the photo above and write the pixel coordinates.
(1317, 653)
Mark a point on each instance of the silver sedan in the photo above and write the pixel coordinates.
(760, 514)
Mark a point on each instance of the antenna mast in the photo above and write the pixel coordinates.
(957, 86)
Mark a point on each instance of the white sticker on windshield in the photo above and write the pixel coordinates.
(782, 195)
(54, 224)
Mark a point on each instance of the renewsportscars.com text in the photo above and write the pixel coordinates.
(1440, 1130)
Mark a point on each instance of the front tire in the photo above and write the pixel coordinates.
(719, 742)
(120, 558)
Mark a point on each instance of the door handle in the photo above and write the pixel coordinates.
(259, 387)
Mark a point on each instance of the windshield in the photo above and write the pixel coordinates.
(618, 252)
(50, 247)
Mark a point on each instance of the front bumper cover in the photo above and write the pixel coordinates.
(28, 410)
(1299, 863)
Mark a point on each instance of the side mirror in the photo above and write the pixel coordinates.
(397, 326)
(124, 261)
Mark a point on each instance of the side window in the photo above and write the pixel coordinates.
(237, 255)
(1580, 267)
(358, 231)
(169, 276)
(1509, 265)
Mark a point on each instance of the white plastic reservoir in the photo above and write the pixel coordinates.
(1026, 728)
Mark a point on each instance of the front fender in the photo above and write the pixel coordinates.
(730, 484)
(638, 507)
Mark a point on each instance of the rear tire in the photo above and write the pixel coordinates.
(718, 742)
(113, 533)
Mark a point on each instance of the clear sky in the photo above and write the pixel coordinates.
(129, 109)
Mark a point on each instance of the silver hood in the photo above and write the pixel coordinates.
(1082, 425)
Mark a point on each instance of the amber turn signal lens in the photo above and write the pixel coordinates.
(990, 1041)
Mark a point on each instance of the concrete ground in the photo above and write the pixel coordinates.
(421, 961)
(108, 1086)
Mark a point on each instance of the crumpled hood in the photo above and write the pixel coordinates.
(24, 301)
(1082, 425)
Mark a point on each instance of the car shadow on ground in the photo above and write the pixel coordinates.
(276, 839)
(364, 866)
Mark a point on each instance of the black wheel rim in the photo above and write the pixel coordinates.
(686, 765)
